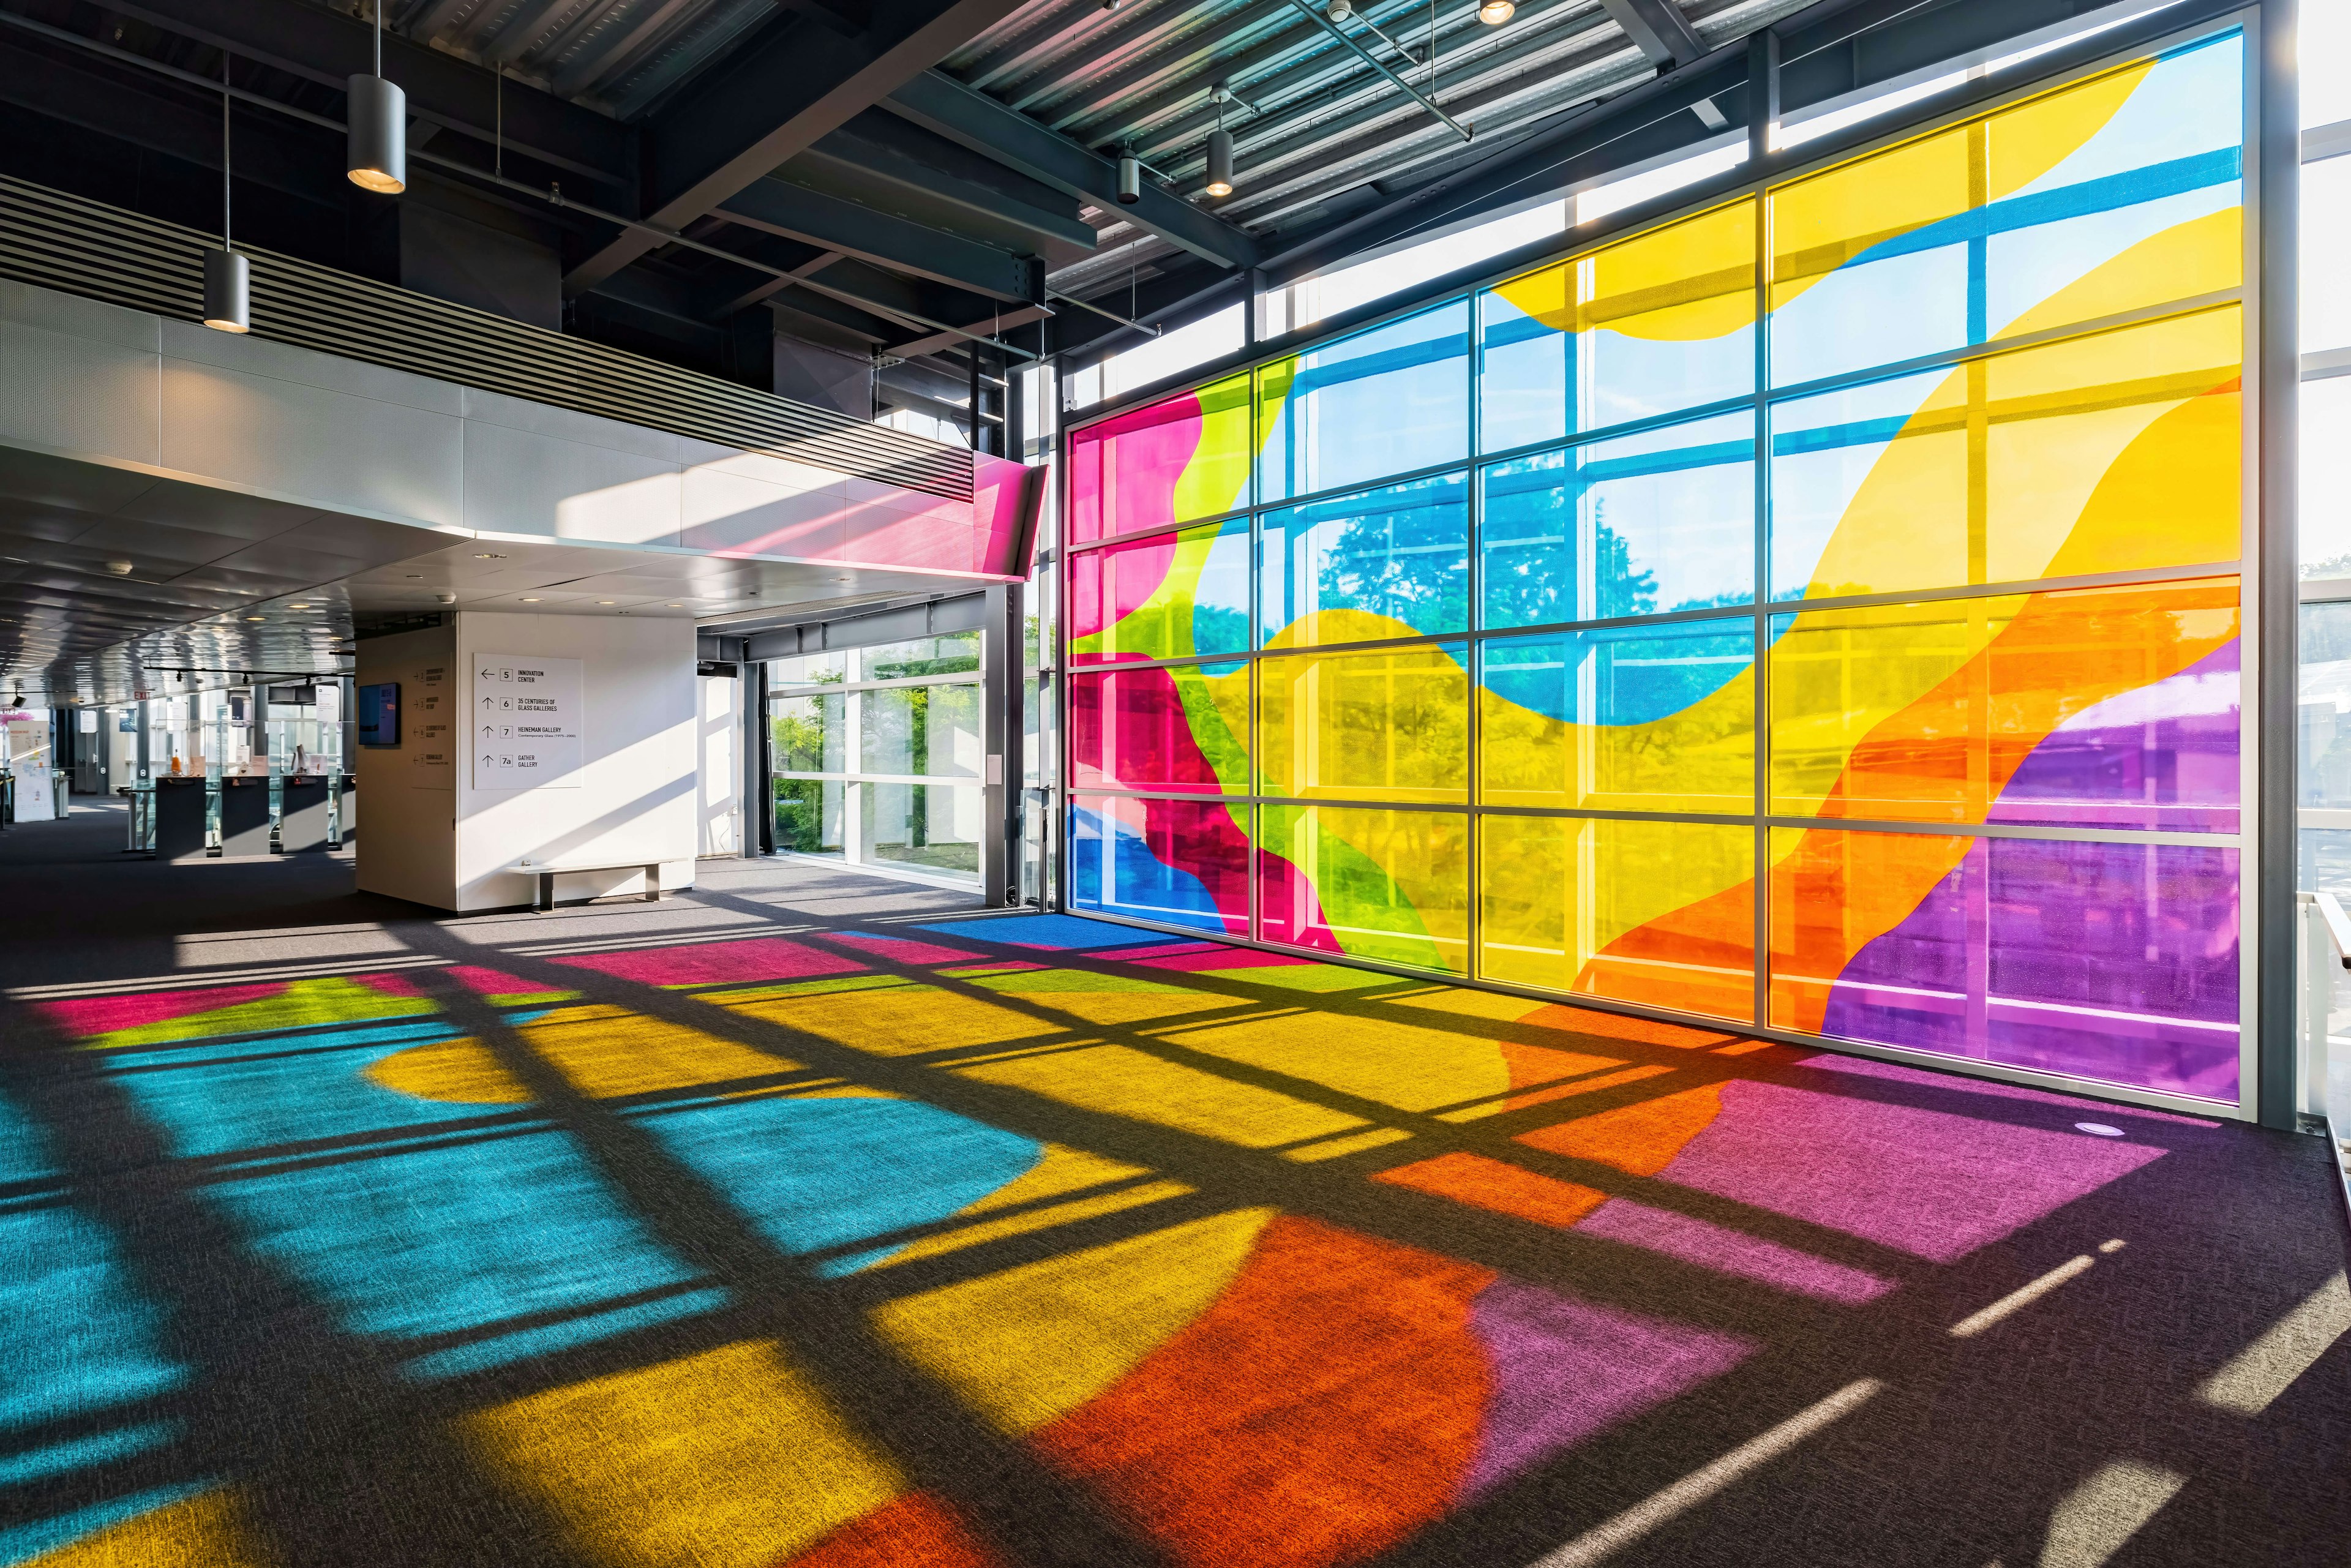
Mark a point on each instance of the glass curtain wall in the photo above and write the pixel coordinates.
(1819, 611)
(875, 755)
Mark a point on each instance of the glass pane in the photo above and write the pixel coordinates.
(2323, 504)
(2115, 453)
(1664, 520)
(1181, 726)
(924, 827)
(1381, 402)
(1392, 562)
(1656, 718)
(922, 730)
(956, 654)
(2325, 221)
(1391, 886)
(2115, 961)
(2111, 707)
(810, 734)
(1663, 321)
(808, 815)
(1386, 726)
(1175, 461)
(1662, 913)
(2323, 700)
(2117, 193)
(1183, 862)
(1166, 597)
(808, 670)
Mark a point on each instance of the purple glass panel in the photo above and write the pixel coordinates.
(2163, 757)
(2109, 961)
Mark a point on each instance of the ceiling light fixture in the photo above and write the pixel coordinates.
(379, 130)
(1220, 146)
(1494, 13)
(1129, 178)
(119, 568)
(529, 601)
(228, 292)
(608, 601)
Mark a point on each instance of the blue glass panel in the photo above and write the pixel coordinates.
(1384, 402)
(1378, 564)
(1643, 524)
(1619, 675)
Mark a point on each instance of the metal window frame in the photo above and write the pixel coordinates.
(2262, 587)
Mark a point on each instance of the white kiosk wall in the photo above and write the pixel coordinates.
(599, 765)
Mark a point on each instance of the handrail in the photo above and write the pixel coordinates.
(2325, 927)
(2338, 924)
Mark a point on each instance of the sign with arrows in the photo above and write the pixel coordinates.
(524, 722)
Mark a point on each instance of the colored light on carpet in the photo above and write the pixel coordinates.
(116, 1023)
(741, 961)
(1490, 1183)
(1051, 931)
(1730, 1251)
(901, 949)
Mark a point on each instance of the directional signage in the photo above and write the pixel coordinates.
(525, 722)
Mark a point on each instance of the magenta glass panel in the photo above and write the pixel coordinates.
(2164, 756)
(2113, 961)
(1158, 728)
(1168, 596)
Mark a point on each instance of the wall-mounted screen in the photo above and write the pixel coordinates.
(380, 714)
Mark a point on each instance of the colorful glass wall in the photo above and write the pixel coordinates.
(1819, 611)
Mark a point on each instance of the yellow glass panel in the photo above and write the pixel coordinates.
(1641, 911)
(1391, 886)
(1387, 725)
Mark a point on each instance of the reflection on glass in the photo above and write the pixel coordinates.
(1380, 563)
(1602, 907)
(1384, 402)
(2119, 451)
(808, 670)
(930, 731)
(2113, 961)
(924, 827)
(2323, 504)
(2101, 708)
(1169, 596)
(811, 733)
(1387, 725)
(2121, 192)
(1167, 728)
(1659, 521)
(1389, 887)
(1661, 322)
(955, 654)
(1185, 862)
(1657, 718)
(807, 816)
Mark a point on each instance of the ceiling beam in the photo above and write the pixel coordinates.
(793, 83)
(881, 149)
(938, 102)
(993, 326)
(777, 206)
(328, 48)
(1658, 27)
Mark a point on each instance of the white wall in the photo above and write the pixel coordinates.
(407, 841)
(722, 764)
(637, 789)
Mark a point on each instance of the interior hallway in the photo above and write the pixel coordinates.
(814, 1218)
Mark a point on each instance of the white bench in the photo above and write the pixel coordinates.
(543, 875)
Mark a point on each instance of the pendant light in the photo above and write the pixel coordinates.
(1129, 178)
(379, 127)
(1494, 13)
(1220, 162)
(227, 285)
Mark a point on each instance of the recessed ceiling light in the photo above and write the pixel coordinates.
(298, 607)
(529, 601)
(608, 601)
(257, 618)
(677, 606)
(488, 555)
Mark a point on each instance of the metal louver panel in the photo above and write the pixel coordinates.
(63, 242)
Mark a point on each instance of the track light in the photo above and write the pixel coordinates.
(1130, 179)
(379, 127)
(1494, 13)
(1220, 162)
(228, 294)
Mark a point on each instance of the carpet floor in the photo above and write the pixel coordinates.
(812, 1219)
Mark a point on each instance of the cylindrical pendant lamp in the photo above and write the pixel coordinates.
(1220, 162)
(228, 292)
(1130, 179)
(379, 135)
